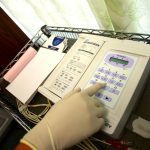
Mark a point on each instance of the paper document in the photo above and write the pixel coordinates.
(26, 83)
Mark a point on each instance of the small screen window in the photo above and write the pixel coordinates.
(119, 61)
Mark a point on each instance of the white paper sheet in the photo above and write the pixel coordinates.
(26, 83)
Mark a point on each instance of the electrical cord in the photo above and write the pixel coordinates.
(30, 115)
(88, 144)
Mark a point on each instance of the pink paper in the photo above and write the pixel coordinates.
(20, 64)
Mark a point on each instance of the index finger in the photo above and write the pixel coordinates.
(93, 89)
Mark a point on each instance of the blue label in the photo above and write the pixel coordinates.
(53, 48)
(57, 40)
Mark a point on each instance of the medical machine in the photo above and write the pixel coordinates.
(124, 65)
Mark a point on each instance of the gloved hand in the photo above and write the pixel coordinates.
(73, 119)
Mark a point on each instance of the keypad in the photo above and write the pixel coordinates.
(115, 82)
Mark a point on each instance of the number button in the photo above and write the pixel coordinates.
(92, 82)
(104, 78)
(114, 91)
(114, 74)
(107, 124)
(106, 98)
(107, 72)
(97, 76)
(123, 77)
(99, 95)
(119, 84)
(106, 88)
(111, 81)
(101, 70)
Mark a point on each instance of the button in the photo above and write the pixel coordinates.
(114, 74)
(122, 77)
(106, 88)
(71, 77)
(111, 81)
(97, 76)
(101, 69)
(92, 82)
(119, 84)
(111, 90)
(79, 71)
(114, 91)
(107, 124)
(104, 78)
(65, 86)
(99, 95)
(107, 72)
(106, 98)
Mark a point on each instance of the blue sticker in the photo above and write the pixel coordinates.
(57, 40)
(53, 48)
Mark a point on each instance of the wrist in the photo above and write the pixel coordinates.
(40, 137)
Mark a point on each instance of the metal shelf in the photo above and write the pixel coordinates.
(37, 41)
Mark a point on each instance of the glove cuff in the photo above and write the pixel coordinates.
(28, 144)
(40, 137)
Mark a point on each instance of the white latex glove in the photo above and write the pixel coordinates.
(73, 119)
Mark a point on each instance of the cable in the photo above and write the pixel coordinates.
(87, 145)
(30, 115)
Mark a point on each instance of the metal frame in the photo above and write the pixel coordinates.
(41, 36)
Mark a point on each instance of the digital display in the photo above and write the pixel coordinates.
(119, 61)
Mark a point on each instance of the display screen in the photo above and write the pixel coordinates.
(119, 61)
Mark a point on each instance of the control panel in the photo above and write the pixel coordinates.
(122, 64)
(115, 69)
